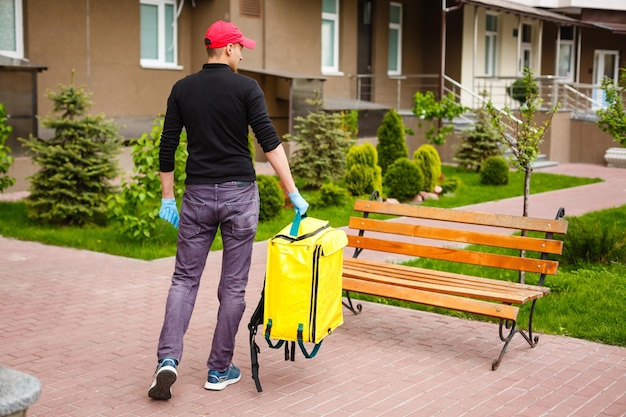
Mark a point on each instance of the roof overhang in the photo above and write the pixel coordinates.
(615, 28)
(525, 11)
(16, 64)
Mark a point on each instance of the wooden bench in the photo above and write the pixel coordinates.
(454, 236)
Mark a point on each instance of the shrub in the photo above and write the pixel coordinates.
(450, 184)
(323, 141)
(593, 242)
(332, 195)
(521, 89)
(612, 119)
(391, 140)
(136, 207)
(77, 165)
(271, 196)
(495, 171)
(479, 143)
(359, 180)
(363, 174)
(403, 179)
(6, 160)
(427, 159)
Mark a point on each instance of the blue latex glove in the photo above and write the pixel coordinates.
(169, 211)
(298, 202)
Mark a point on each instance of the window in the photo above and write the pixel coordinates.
(491, 44)
(605, 65)
(330, 36)
(159, 34)
(565, 58)
(526, 48)
(394, 66)
(11, 29)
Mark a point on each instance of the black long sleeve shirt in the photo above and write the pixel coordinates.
(216, 106)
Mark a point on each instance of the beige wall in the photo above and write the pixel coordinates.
(588, 143)
(101, 44)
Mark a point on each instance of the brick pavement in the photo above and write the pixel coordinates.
(86, 324)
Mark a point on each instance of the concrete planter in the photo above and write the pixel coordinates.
(615, 157)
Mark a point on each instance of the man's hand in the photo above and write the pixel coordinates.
(298, 202)
(169, 211)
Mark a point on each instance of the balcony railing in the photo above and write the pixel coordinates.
(582, 100)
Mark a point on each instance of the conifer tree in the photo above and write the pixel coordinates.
(76, 165)
(323, 141)
(391, 140)
(479, 143)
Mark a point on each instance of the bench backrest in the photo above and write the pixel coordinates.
(444, 234)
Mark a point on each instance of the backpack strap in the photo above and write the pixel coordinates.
(255, 321)
(303, 348)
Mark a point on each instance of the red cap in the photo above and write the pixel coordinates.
(221, 33)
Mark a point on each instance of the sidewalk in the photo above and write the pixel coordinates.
(86, 324)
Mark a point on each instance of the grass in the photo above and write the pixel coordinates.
(15, 224)
(586, 301)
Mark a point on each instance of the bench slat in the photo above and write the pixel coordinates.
(457, 235)
(445, 283)
(435, 299)
(460, 216)
(456, 255)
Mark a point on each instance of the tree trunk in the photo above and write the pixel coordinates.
(528, 172)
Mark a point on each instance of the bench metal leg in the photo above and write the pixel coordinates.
(351, 306)
(512, 325)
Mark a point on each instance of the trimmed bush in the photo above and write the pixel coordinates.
(450, 184)
(363, 174)
(403, 179)
(495, 171)
(332, 195)
(364, 154)
(271, 196)
(427, 159)
(391, 140)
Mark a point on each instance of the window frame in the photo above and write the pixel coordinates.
(491, 52)
(161, 61)
(18, 53)
(397, 27)
(334, 19)
(570, 43)
(526, 48)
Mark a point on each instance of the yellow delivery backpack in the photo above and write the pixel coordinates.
(301, 300)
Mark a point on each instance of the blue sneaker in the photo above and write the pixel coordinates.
(164, 377)
(217, 381)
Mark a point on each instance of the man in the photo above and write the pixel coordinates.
(215, 106)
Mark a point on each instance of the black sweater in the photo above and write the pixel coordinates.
(215, 106)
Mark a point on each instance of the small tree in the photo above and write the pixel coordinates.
(427, 107)
(6, 160)
(77, 165)
(323, 140)
(479, 143)
(612, 119)
(391, 140)
(528, 135)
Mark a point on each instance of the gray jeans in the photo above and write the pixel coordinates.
(234, 208)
